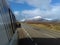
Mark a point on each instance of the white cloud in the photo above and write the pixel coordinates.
(53, 13)
(39, 3)
(31, 12)
(16, 13)
(36, 3)
(35, 12)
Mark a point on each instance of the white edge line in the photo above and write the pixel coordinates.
(27, 34)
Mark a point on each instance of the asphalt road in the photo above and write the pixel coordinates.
(39, 36)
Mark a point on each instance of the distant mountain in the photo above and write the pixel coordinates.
(55, 20)
(40, 19)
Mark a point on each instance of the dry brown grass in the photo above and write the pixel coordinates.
(49, 26)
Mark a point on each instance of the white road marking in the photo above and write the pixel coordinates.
(27, 34)
(43, 34)
(31, 37)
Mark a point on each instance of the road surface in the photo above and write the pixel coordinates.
(39, 36)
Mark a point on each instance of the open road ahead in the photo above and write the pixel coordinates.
(39, 36)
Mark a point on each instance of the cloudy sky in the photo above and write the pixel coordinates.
(31, 8)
